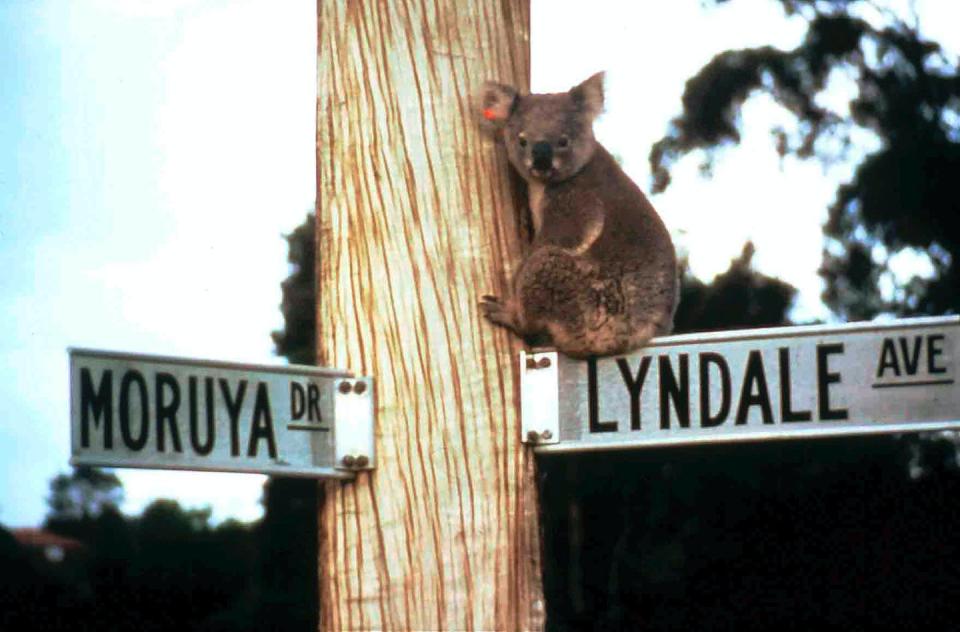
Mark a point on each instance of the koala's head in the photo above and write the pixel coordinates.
(549, 137)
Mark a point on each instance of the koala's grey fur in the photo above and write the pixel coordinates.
(601, 275)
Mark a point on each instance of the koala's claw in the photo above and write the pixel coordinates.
(497, 311)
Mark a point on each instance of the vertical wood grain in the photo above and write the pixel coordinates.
(415, 220)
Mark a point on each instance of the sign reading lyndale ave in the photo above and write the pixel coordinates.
(861, 378)
(132, 410)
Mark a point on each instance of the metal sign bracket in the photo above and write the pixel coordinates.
(539, 397)
(354, 424)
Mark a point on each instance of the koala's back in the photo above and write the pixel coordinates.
(601, 275)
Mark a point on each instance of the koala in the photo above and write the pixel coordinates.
(600, 275)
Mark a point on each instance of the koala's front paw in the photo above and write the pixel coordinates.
(499, 312)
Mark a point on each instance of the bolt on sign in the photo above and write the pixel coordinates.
(130, 410)
(815, 381)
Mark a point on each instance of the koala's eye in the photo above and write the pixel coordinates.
(563, 143)
(522, 140)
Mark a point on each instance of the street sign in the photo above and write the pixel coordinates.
(129, 410)
(787, 382)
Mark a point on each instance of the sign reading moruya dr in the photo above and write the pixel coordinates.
(147, 411)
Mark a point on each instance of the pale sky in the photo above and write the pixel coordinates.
(155, 152)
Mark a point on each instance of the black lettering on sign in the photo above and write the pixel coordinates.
(717, 360)
(676, 391)
(888, 359)
(754, 379)
(825, 378)
(298, 400)
(134, 443)
(593, 404)
(262, 427)
(934, 350)
(635, 386)
(313, 395)
(233, 410)
(205, 447)
(911, 356)
(167, 411)
(786, 406)
(99, 402)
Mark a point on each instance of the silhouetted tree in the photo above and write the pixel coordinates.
(165, 569)
(288, 553)
(182, 560)
(739, 298)
(297, 340)
(22, 587)
(78, 498)
(288, 533)
(904, 195)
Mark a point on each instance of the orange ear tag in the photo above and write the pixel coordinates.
(489, 114)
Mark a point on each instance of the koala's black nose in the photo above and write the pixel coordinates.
(542, 156)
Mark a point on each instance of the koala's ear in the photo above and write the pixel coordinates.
(589, 95)
(497, 102)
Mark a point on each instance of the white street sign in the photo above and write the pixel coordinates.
(131, 410)
(787, 382)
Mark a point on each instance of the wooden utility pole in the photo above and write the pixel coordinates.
(415, 220)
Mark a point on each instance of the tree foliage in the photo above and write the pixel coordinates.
(77, 499)
(903, 196)
(297, 340)
(287, 541)
(739, 298)
(167, 568)
(771, 535)
(288, 535)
